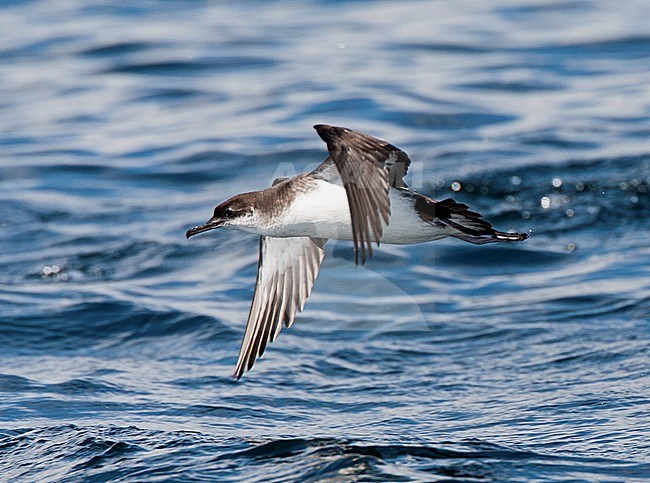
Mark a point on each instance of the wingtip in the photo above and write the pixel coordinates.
(328, 132)
(323, 131)
(239, 371)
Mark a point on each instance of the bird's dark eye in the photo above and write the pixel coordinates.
(228, 213)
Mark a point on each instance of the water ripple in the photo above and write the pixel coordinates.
(125, 124)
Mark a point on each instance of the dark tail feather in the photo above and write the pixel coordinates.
(470, 226)
(495, 236)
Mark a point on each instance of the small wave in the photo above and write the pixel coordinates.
(194, 67)
(329, 459)
(102, 324)
(104, 453)
(117, 48)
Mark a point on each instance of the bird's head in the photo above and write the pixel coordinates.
(237, 212)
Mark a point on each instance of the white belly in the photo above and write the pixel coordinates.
(324, 213)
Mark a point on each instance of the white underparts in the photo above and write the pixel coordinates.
(323, 212)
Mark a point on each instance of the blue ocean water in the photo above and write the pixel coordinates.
(123, 124)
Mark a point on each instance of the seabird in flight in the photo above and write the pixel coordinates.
(358, 193)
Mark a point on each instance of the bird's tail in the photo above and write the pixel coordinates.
(470, 226)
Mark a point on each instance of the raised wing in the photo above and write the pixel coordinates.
(286, 272)
(367, 167)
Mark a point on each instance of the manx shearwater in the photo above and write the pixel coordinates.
(358, 193)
